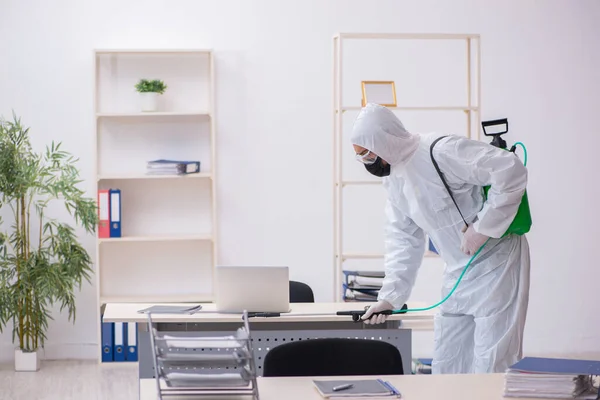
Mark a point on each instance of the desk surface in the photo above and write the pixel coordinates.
(128, 312)
(412, 387)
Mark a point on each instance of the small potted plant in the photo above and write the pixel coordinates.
(149, 91)
(42, 261)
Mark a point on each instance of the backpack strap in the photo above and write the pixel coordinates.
(437, 168)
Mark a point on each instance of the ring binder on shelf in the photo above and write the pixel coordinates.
(361, 285)
(119, 341)
(183, 367)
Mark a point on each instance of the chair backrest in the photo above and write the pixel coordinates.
(301, 293)
(333, 357)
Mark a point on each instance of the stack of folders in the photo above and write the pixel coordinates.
(368, 388)
(422, 366)
(362, 285)
(172, 167)
(554, 378)
(119, 341)
(109, 213)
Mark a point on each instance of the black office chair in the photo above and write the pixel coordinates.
(333, 357)
(301, 293)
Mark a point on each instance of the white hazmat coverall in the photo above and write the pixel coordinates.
(479, 329)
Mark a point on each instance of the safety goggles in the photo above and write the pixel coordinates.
(367, 157)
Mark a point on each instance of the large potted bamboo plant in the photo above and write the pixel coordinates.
(42, 262)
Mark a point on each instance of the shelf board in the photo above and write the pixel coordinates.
(361, 256)
(433, 108)
(345, 183)
(152, 51)
(377, 256)
(202, 175)
(158, 238)
(422, 36)
(154, 114)
(166, 298)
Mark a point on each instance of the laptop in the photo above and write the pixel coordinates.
(254, 289)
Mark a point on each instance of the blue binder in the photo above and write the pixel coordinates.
(132, 348)
(119, 342)
(107, 341)
(557, 366)
(176, 166)
(431, 247)
(115, 212)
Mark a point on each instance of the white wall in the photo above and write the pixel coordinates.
(274, 61)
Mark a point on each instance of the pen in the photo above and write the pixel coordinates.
(342, 387)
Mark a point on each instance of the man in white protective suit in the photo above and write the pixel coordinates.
(479, 329)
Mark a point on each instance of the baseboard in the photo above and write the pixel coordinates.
(56, 351)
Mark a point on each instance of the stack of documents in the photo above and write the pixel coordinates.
(554, 378)
(172, 167)
(362, 285)
(422, 366)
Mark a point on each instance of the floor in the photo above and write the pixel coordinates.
(70, 380)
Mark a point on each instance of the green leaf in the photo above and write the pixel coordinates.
(147, 86)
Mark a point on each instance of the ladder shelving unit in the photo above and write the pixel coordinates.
(168, 247)
(469, 105)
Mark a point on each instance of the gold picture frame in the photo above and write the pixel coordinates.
(378, 93)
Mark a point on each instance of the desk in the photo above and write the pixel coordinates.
(412, 387)
(270, 332)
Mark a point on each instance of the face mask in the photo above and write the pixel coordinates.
(378, 168)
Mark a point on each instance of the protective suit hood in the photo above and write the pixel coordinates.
(377, 129)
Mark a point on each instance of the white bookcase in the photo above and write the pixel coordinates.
(167, 251)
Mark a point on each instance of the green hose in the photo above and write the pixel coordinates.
(524, 152)
(466, 266)
(452, 291)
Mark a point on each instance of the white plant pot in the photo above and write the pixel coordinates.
(27, 361)
(149, 101)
